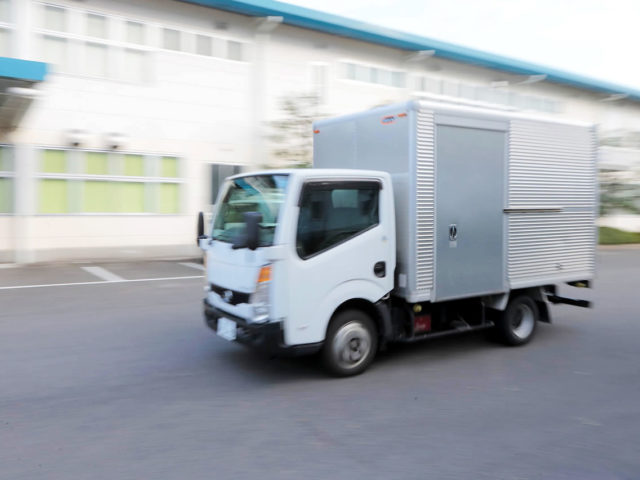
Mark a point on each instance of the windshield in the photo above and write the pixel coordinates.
(261, 193)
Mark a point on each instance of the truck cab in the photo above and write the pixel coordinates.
(298, 260)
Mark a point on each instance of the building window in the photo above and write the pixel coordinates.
(5, 42)
(135, 66)
(219, 172)
(96, 59)
(107, 182)
(319, 81)
(96, 25)
(54, 51)
(134, 33)
(234, 50)
(204, 45)
(375, 75)
(171, 39)
(54, 18)
(6, 179)
(5, 11)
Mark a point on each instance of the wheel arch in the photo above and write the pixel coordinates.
(371, 309)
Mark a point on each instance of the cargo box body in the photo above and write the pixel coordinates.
(485, 201)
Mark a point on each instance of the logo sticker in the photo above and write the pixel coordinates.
(388, 119)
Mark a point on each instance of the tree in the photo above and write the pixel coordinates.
(292, 136)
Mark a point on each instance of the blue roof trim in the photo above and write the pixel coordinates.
(337, 25)
(22, 69)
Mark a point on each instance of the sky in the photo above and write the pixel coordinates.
(595, 38)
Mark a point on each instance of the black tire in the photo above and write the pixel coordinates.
(517, 324)
(351, 343)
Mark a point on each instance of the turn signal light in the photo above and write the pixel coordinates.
(265, 274)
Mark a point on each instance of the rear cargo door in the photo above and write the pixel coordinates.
(470, 172)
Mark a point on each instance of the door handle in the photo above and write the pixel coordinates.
(380, 269)
(453, 232)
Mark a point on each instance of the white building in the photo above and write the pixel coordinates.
(115, 116)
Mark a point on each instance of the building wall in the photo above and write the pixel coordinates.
(166, 79)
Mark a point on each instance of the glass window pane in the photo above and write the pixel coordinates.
(362, 73)
(96, 25)
(169, 198)
(54, 161)
(234, 50)
(95, 59)
(171, 39)
(97, 163)
(54, 50)
(204, 45)
(169, 167)
(134, 165)
(468, 91)
(6, 159)
(130, 197)
(5, 42)
(99, 197)
(398, 79)
(384, 77)
(135, 66)
(451, 89)
(54, 18)
(5, 11)
(350, 71)
(53, 196)
(6, 195)
(135, 33)
(332, 214)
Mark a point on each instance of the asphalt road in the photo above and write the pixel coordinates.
(122, 380)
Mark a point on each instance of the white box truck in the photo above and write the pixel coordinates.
(418, 220)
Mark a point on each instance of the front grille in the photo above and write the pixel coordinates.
(232, 297)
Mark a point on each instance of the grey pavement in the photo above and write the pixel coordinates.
(122, 380)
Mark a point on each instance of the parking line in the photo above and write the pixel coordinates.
(101, 282)
(197, 266)
(103, 274)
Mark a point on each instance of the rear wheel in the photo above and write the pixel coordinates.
(351, 343)
(517, 324)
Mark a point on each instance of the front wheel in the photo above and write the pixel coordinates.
(517, 324)
(351, 343)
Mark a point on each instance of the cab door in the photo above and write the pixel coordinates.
(344, 248)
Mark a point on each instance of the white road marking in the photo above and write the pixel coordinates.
(197, 266)
(101, 282)
(103, 274)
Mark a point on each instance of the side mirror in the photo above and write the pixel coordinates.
(252, 221)
(251, 237)
(200, 230)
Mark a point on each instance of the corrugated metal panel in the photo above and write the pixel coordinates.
(551, 166)
(425, 218)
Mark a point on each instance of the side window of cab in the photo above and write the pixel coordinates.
(334, 212)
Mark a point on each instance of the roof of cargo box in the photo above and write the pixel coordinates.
(337, 25)
(396, 111)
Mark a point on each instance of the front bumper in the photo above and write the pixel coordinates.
(266, 337)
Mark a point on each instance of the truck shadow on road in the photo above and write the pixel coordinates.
(463, 351)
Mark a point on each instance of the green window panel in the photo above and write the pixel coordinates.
(6, 159)
(53, 196)
(6, 195)
(96, 163)
(54, 161)
(98, 197)
(169, 198)
(169, 167)
(130, 196)
(134, 165)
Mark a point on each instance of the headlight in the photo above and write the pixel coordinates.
(260, 298)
